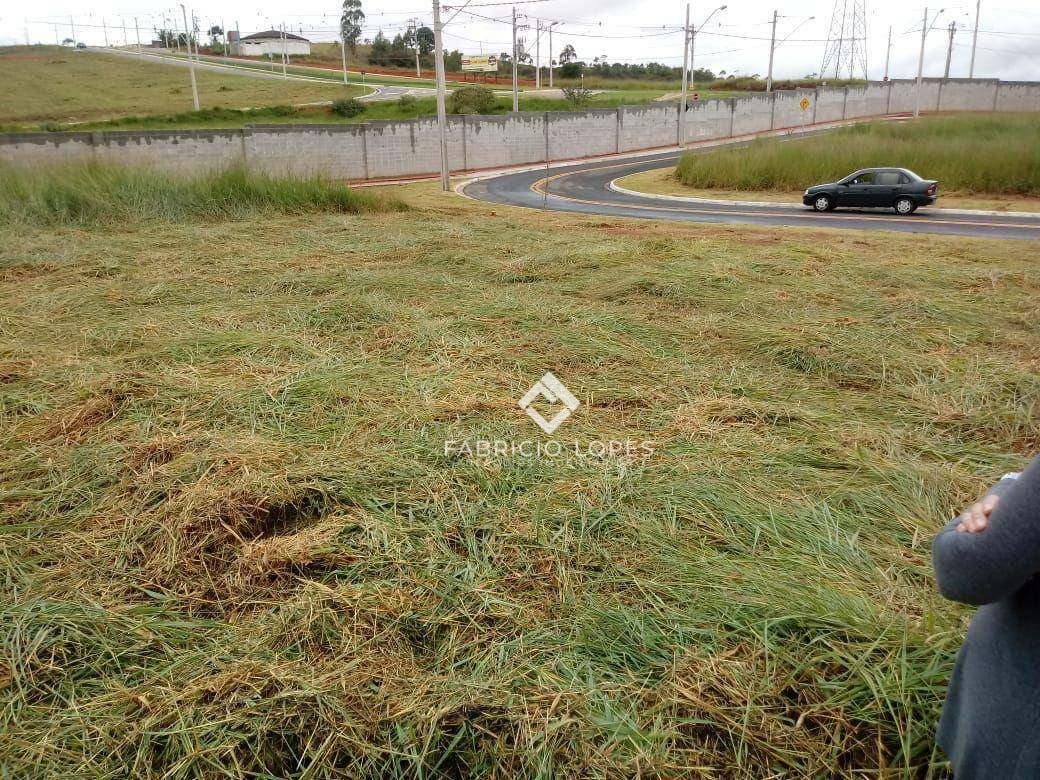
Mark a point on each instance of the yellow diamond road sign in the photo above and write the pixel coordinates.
(805, 103)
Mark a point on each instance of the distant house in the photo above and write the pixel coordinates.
(270, 42)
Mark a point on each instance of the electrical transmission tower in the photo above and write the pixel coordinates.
(846, 52)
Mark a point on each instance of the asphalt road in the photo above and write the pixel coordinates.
(380, 91)
(585, 189)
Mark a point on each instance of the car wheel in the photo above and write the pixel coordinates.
(905, 206)
(823, 203)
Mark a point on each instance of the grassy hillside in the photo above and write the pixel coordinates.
(967, 153)
(233, 543)
(51, 83)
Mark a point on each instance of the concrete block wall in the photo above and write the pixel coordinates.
(512, 139)
(751, 114)
(387, 149)
(1017, 96)
(647, 127)
(189, 152)
(709, 119)
(333, 150)
(587, 134)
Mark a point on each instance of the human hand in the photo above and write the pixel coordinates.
(976, 517)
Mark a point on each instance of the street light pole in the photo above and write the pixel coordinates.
(693, 41)
(888, 51)
(138, 31)
(949, 50)
(974, 39)
(772, 48)
(682, 90)
(343, 44)
(191, 62)
(551, 25)
(285, 54)
(538, 54)
(442, 115)
(920, 65)
(516, 92)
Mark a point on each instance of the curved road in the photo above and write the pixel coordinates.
(586, 189)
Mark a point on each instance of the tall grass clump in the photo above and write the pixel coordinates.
(997, 154)
(97, 195)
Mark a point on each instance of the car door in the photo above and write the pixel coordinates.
(884, 190)
(858, 191)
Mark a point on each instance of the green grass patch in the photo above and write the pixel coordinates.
(95, 195)
(287, 114)
(60, 84)
(991, 153)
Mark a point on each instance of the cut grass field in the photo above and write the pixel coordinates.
(233, 544)
(664, 181)
(996, 154)
(51, 83)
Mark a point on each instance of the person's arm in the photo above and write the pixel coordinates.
(988, 565)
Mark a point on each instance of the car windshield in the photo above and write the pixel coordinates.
(913, 176)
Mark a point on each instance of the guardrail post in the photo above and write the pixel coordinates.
(844, 101)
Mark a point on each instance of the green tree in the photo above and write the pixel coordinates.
(379, 54)
(568, 54)
(350, 22)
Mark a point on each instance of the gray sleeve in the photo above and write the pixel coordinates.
(984, 567)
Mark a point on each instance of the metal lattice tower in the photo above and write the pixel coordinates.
(846, 52)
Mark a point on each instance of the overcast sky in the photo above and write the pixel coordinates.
(735, 40)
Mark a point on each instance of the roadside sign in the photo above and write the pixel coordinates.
(479, 63)
(696, 96)
(805, 103)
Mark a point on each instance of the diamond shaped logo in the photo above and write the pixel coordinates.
(552, 390)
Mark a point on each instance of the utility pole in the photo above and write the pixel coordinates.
(72, 24)
(772, 48)
(920, 65)
(682, 90)
(974, 39)
(104, 27)
(888, 51)
(191, 63)
(551, 25)
(442, 115)
(538, 54)
(223, 31)
(949, 50)
(516, 91)
(343, 44)
(138, 31)
(285, 54)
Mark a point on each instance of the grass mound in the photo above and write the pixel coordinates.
(97, 195)
(997, 154)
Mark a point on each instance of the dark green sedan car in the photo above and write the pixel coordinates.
(895, 188)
